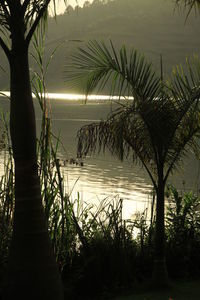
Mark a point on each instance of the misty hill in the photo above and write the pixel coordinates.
(151, 26)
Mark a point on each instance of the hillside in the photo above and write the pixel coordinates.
(151, 26)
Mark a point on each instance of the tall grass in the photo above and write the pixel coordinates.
(183, 233)
(6, 193)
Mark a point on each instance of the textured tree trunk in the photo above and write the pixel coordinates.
(32, 270)
(160, 275)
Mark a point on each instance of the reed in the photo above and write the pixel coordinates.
(6, 193)
(183, 233)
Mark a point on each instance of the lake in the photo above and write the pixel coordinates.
(103, 176)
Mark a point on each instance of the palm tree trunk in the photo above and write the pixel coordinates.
(32, 270)
(160, 275)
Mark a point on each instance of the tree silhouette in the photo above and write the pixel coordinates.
(32, 270)
(157, 127)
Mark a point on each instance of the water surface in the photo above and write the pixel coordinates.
(103, 175)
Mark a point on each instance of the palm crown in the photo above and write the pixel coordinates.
(156, 127)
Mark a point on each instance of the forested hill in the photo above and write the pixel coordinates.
(152, 26)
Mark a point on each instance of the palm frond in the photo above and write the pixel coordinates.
(189, 5)
(186, 82)
(185, 94)
(158, 126)
(32, 12)
(184, 141)
(126, 73)
(124, 134)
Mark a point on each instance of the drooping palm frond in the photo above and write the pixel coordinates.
(124, 134)
(185, 84)
(4, 15)
(189, 5)
(185, 92)
(126, 73)
(32, 12)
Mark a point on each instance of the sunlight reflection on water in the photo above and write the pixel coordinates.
(93, 189)
(102, 176)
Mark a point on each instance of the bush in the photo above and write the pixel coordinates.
(183, 234)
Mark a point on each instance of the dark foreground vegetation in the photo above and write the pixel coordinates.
(98, 253)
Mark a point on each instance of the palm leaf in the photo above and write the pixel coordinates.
(127, 73)
(189, 5)
(185, 92)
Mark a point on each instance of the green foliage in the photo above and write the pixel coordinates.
(183, 213)
(6, 195)
(183, 233)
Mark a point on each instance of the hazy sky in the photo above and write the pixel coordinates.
(62, 6)
(80, 2)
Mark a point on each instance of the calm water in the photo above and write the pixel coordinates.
(103, 175)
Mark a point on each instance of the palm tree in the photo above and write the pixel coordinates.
(32, 271)
(156, 127)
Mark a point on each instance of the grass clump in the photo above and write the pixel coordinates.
(6, 194)
(183, 234)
